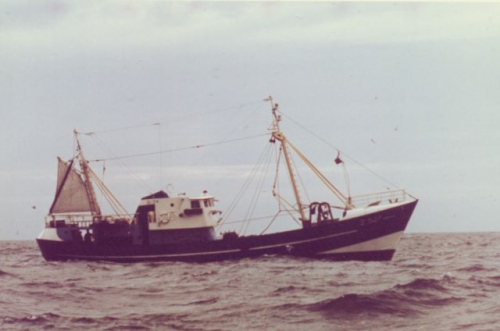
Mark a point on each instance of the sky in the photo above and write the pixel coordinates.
(407, 90)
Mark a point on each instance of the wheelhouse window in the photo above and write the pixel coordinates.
(195, 204)
(208, 202)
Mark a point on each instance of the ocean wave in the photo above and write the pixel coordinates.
(425, 284)
(50, 321)
(127, 322)
(410, 299)
(18, 247)
(31, 319)
(203, 302)
(495, 278)
(484, 281)
(6, 274)
(475, 268)
(289, 288)
(357, 304)
(153, 322)
(47, 284)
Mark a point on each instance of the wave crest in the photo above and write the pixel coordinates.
(401, 300)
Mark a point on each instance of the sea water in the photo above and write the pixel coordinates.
(434, 282)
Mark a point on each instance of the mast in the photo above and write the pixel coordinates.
(277, 134)
(94, 206)
(285, 144)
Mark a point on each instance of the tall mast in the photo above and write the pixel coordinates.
(94, 206)
(277, 134)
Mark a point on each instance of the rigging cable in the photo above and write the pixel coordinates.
(276, 193)
(179, 149)
(103, 146)
(330, 145)
(198, 115)
(119, 129)
(131, 127)
(276, 184)
(161, 155)
(246, 185)
(108, 195)
(237, 128)
(276, 216)
(240, 193)
(258, 189)
(346, 179)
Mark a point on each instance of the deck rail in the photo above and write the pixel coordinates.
(384, 197)
(84, 221)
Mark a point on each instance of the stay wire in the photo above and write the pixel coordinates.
(242, 190)
(131, 127)
(238, 127)
(198, 115)
(179, 149)
(255, 198)
(103, 146)
(337, 149)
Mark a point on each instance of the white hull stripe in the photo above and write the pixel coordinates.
(304, 241)
(387, 242)
(150, 256)
(205, 253)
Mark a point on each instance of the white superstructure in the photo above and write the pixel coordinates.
(181, 212)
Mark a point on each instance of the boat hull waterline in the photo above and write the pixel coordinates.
(371, 237)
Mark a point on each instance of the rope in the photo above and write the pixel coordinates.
(233, 204)
(119, 129)
(122, 164)
(239, 107)
(335, 148)
(270, 223)
(112, 200)
(236, 129)
(198, 115)
(180, 149)
(255, 197)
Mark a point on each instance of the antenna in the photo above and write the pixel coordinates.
(160, 154)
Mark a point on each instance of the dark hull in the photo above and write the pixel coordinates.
(371, 237)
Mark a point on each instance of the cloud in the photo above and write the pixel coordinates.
(350, 72)
(96, 26)
(31, 15)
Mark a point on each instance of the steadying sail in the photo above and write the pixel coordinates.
(71, 194)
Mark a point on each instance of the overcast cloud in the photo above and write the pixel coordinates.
(409, 90)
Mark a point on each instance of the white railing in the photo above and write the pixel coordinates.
(83, 220)
(384, 197)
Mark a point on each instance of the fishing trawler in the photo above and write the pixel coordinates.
(184, 228)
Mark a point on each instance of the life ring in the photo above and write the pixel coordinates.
(167, 217)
